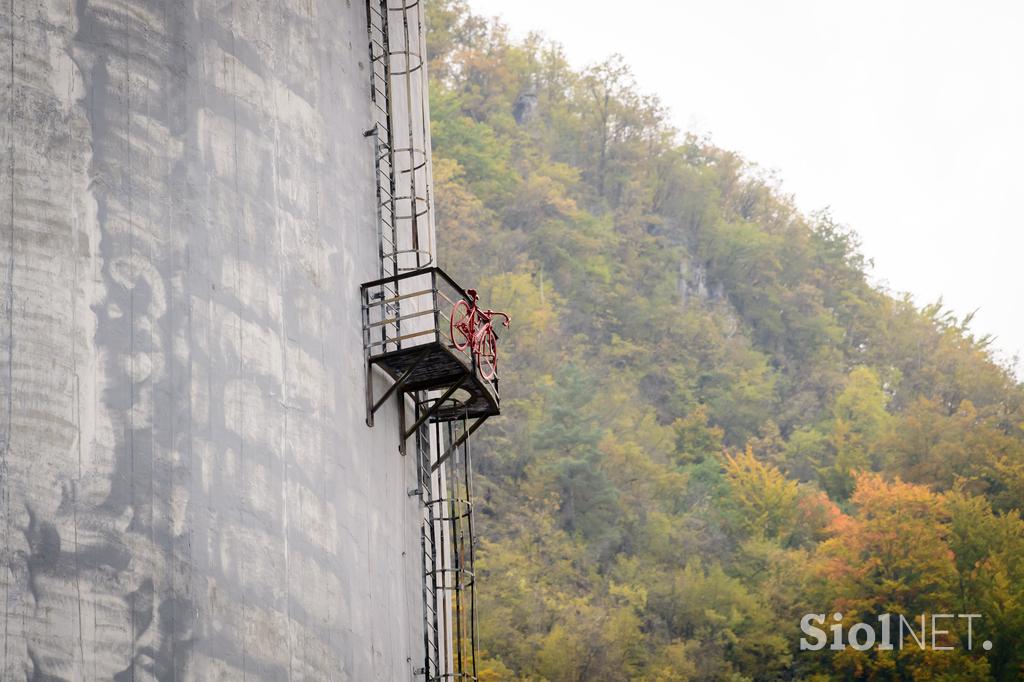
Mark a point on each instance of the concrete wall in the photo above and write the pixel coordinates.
(186, 212)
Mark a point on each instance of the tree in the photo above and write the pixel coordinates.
(859, 424)
(767, 501)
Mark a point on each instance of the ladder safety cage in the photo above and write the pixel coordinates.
(449, 580)
(398, 92)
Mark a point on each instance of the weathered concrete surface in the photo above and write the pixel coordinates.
(186, 212)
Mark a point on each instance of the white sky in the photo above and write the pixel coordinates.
(906, 118)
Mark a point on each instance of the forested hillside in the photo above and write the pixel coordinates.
(712, 422)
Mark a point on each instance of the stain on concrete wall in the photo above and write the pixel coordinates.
(186, 212)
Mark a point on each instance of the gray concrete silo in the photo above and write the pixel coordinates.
(189, 489)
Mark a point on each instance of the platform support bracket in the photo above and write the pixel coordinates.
(428, 413)
(459, 441)
(372, 406)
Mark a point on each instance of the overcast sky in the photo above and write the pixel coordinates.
(906, 118)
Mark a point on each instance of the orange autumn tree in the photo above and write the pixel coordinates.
(893, 555)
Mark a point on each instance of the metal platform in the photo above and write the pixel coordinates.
(407, 335)
(433, 366)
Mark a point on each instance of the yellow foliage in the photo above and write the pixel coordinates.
(766, 498)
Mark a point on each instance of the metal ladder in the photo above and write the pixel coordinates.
(429, 544)
(383, 151)
(383, 124)
(446, 535)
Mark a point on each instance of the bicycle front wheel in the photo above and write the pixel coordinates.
(487, 357)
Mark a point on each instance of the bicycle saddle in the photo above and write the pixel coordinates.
(472, 293)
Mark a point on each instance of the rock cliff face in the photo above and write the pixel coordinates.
(186, 212)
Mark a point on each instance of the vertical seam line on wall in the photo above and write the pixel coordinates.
(74, 248)
(241, 336)
(130, 436)
(10, 353)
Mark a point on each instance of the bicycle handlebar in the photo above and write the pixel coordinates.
(491, 313)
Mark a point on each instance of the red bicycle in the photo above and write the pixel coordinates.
(472, 328)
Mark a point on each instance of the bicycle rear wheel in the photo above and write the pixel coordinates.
(460, 326)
